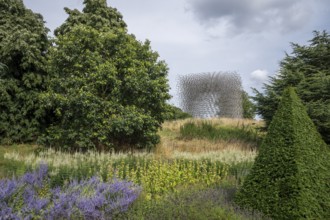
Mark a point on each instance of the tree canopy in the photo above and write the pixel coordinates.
(107, 88)
(23, 45)
(95, 14)
(308, 69)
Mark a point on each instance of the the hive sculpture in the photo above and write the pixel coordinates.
(216, 94)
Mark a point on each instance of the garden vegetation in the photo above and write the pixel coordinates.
(290, 176)
(92, 86)
(165, 180)
(101, 141)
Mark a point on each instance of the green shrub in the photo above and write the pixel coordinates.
(290, 178)
(176, 113)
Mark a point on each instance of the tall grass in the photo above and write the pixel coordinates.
(223, 122)
(10, 167)
(236, 135)
(198, 203)
(228, 156)
(207, 130)
(156, 175)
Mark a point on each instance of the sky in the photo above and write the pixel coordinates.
(249, 37)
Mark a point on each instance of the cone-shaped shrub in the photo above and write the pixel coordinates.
(291, 175)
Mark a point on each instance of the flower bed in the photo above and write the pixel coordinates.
(31, 197)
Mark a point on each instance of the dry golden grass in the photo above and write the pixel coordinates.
(171, 145)
(168, 146)
(227, 122)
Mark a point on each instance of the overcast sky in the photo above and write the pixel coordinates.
(249, 37)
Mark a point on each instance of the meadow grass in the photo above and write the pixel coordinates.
(166, 174)
(157, 176)
(198, 203)
(223, 122)
(10, 167)
(201, 160)
(241, 134)
(208, 131)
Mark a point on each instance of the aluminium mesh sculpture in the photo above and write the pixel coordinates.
(212, 94)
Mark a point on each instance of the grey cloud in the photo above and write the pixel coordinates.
(254, 15)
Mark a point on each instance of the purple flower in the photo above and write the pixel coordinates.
(36, 178)
(6, 213)
(87, 199)
(7, 188)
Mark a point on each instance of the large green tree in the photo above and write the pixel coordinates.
(23, 45)
(107, 88)
(308, 69)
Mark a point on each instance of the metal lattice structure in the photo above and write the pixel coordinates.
(212, 94)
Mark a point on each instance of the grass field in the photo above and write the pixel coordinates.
(192, 174)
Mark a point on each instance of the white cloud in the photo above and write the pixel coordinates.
(259, 75)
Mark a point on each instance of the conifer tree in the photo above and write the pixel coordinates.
(307, 68)
(290, 178)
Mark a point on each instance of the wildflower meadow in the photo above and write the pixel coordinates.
(44, 183)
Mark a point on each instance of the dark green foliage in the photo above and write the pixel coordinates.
(175, 113)
(290, 178)
(23, 44)
(308, 69)
(107, 89)
(209, 131)
(3, 68)
(249, 108)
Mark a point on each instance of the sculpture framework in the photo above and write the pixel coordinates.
(217, 94)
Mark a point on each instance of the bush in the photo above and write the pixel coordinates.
(290, 178)
(176, 113)
(31, 197)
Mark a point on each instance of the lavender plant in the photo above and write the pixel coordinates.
(30, 197)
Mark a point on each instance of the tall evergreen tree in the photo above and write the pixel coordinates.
(23, 45)
(290, 178)
(108, 89)
(308, 69)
